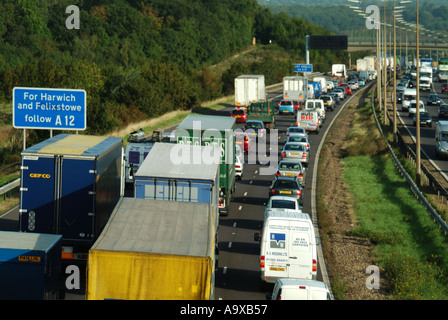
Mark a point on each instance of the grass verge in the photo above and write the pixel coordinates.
(409, 247)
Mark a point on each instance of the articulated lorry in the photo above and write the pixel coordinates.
(294, 89)
(249, 89)
(178, 172)
(220, 132)
(154, 250)
(70, 185)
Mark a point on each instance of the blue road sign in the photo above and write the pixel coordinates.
(43, 108)
(303, 68)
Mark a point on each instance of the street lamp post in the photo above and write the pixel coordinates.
(417, 151)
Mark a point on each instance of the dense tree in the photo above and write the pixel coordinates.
(138, 59)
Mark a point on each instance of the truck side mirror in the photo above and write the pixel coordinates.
(256, 236)
(268, 296)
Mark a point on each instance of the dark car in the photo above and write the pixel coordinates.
(425, 119)
(335, 97)
(400, 96)
(444, 87)
(443, 111)
(255, 128)
(433, 99)
(286, 186)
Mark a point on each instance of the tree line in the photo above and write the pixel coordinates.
(141, 59)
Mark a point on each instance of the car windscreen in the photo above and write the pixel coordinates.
(289, 165)
(239, 112)
(253, 125)
(296, 130)
(298, 147)
(285, 184)
(283, 204)
(296, 139)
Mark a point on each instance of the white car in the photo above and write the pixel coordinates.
(239, 167)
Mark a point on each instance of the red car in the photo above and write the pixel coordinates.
(239, 115)
(346, 88)
(243, 140)
(296, 105)
(444, 87)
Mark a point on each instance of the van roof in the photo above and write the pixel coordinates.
(283, 215)
(443, 124)
(410, 90)
(302, 282)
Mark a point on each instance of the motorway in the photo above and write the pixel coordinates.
(238, 276)
(427, 135)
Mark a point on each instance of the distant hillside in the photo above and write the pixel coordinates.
(330, 2)
(140, 59)
(342, 20)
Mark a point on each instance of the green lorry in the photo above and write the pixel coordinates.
(263, 111)
(218, 131)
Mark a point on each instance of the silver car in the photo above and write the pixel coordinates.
(300, 139)
(291, 168)
(295, 151)
(295, 131)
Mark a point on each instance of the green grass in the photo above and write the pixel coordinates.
(409, 247)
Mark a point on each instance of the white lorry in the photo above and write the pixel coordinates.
(294, 88)
(248, 89)
(339, 71)
(287, 246)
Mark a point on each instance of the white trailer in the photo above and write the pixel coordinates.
(248, 89)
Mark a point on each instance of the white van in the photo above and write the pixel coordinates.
(316, 104)
(442, 139)
(408, 95)
(413, 107)
(287, 247)
(299, 289)
(309, 120)
(425, 83)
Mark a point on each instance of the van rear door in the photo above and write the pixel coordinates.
(300, 251)
(276, 253)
